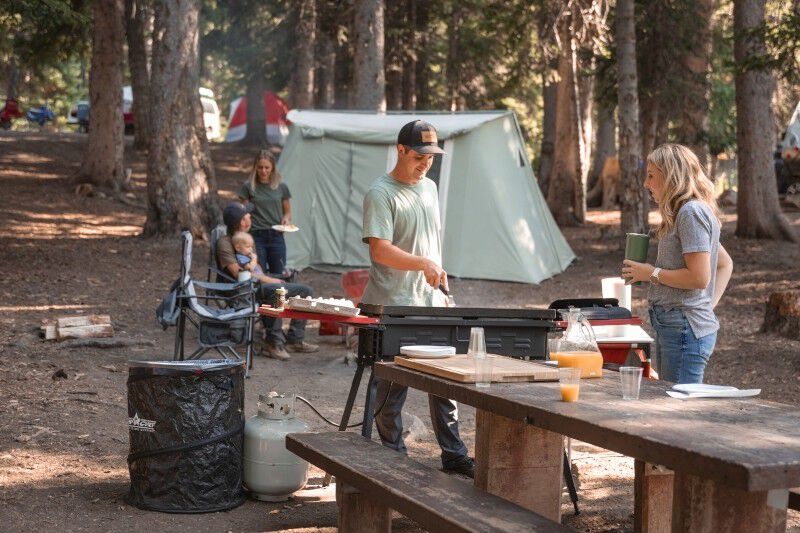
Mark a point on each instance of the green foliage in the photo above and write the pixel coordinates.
(722, 114)
(47, 40)
(782, 35)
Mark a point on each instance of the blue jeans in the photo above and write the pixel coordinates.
(270, 249)
(680, 356)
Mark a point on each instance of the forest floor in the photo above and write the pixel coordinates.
(63, 442)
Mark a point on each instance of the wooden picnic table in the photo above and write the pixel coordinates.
(733, 459)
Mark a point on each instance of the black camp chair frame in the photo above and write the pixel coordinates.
(234, 309)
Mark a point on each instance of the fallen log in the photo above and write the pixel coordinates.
(782, 315)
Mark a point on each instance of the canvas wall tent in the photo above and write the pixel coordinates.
(495, 222)
(275, 110)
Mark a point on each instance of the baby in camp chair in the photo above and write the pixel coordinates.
(244, 246)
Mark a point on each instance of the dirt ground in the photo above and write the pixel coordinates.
(63, 442)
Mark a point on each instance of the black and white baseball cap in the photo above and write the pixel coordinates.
(421, 137)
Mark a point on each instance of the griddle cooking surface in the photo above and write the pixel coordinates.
(456, 312)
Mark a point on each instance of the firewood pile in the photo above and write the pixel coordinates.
(77, 327)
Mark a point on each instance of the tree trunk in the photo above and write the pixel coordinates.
(302, 79)
(181, 188)
(256, 119)
(758, 210)
(549, 99)
(102, 161)
(584, 91)
(410, 57)
(326, 72)
(453, 64)
(368, 79)
(634, 204)
(136, 19)
(421, 73)
(343, 89)
(693, 114)
(605, 142)
(12, 77)
(650, 123)
(393, 58)
(561, 190)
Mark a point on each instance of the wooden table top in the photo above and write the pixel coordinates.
(748, 444)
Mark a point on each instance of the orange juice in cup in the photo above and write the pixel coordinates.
(569, 393)
(569, 380)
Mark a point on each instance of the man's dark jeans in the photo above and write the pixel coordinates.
(274, 326)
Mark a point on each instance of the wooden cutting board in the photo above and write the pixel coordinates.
(461, 368)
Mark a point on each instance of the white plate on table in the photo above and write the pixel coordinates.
(735, 393)
(701, 387)
(289, 228)
(428, 352)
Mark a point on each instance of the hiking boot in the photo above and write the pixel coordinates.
(274, 351)
(302, 347)
(463, 465)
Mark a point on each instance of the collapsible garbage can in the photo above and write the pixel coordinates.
(186, 422)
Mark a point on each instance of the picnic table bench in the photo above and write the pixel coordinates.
(733, 459)
(371, 480)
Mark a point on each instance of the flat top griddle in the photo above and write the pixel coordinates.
(397, 311)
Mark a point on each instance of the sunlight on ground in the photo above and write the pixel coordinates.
(612, 217)
(24, 175)
(23, 466)
(42, 226)
(12, 308)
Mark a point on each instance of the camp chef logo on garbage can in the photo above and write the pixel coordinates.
(140, 424)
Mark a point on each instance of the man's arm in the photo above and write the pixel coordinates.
(384, 252)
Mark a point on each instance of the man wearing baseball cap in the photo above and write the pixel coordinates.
(403, 230)
(236, 217)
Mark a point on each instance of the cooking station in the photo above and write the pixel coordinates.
(520, 333)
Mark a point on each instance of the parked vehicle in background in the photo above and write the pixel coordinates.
(210, 113)
(9, 112)
(40, 115)
(787, 155)
(80, 113)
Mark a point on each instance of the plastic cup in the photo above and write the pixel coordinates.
(636, 245)
(477, 342)
(483, 370)
(569, 380)
(630, 378)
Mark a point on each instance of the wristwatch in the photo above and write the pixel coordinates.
(654, 276)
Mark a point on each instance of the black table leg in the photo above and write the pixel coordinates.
(573, 492)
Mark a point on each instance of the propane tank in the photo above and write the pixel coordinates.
(271, 472)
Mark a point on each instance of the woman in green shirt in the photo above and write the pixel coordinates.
(270, 198)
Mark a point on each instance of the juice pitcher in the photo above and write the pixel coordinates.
(578, 347)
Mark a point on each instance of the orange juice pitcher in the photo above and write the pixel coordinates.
(578, 348)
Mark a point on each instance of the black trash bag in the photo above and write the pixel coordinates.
(186, 426)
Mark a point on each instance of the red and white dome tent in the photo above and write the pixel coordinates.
(274, 108)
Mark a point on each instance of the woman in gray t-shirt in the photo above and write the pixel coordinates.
(692, 268)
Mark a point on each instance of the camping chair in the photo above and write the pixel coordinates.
(223, 328)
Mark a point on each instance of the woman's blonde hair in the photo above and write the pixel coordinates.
(274, 177)
(684, 180)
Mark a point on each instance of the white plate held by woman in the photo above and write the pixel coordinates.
(286, 228)
(428, 352)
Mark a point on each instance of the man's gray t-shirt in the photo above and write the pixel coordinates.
(696, 230)
(408, 217)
